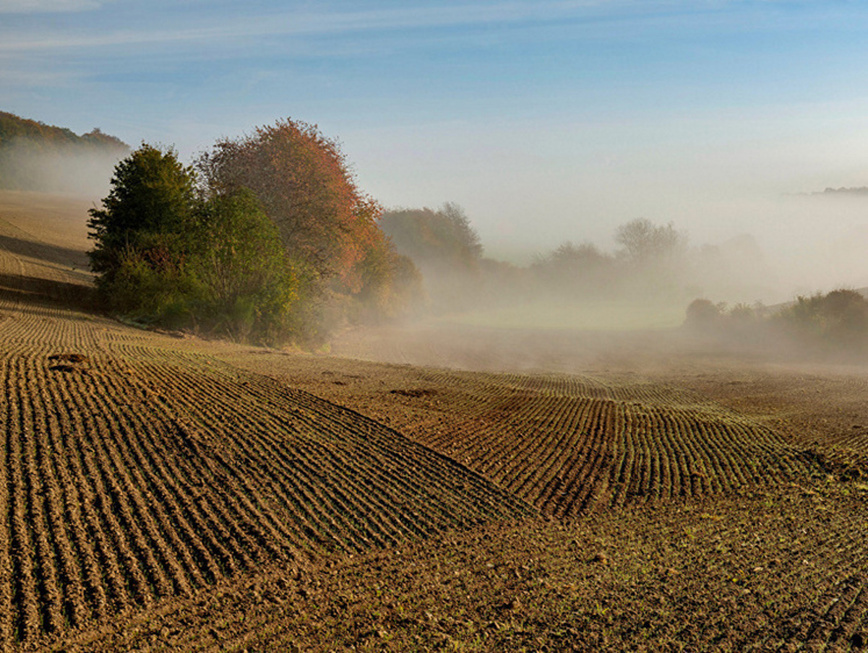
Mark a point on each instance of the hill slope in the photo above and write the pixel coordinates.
(36, 156)
(160, 491)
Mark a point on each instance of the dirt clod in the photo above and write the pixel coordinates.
(601, 558)
(69, 358)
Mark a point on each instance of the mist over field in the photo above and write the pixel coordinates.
(75, 171)
(775, 279)
(768, 249)
(767, 252)
(490, 325)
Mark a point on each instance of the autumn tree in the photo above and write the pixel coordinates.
(703, 315)
(440, 239)
(838, 318)
(328, 226)
(653, 259)
(305, 186)
(574, 270)
(446, 249)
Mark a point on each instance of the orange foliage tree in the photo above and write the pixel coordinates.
(329, 227)
(303, 182)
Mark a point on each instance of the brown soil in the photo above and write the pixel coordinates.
(164, 493)
(745, 572)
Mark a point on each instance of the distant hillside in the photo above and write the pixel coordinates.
(14, 128)
(859, 191)
(36, 156)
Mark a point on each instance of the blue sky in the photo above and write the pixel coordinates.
(547, 120)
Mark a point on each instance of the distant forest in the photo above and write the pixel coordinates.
(36, 156)
(860, 190)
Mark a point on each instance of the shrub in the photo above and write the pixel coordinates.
(246, 287)
(702, 315)
(149, 294)
(839, 318)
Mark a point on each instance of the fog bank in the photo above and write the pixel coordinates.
(75, 170)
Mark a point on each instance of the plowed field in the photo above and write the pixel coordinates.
(568, 444)
(132, 472)
(162, 492)
(748, 572)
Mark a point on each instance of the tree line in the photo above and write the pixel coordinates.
(265, 238)
(268, 238)
(651, 259)
(818, 325)
(13, 128)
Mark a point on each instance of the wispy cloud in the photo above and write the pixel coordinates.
(234, 24)
(299, 23)
(36, 78)
(47, 6)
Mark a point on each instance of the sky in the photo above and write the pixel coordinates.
(546, 120)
